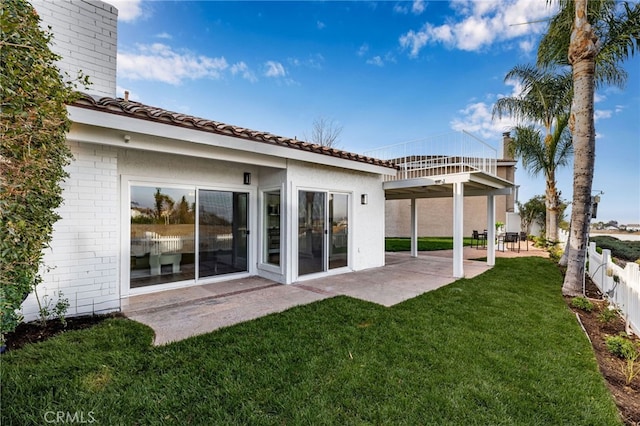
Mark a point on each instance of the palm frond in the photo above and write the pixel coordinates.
(528, 146)
(617, 26)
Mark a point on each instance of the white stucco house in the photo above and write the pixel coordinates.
(160, 200)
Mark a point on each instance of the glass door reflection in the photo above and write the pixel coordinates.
(338, 230)
(311, 231)
(222, 232)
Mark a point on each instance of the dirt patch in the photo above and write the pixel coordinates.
(627, 397)
(34, 332)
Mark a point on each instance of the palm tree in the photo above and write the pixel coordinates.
(544, 102)
(601, 37)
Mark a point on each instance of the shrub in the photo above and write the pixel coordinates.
(607, 315)
(555, 253)
(49, 310)
(33, 153)
(621, 346)
(582, 303)
(625, 250)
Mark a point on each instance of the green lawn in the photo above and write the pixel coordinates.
(501, 348)
(424, 243)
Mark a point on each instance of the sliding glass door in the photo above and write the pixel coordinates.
(222, 236)
(311, 230)
(162, 235)
(166, 243)
(322, 231)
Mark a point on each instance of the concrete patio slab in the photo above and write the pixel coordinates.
(177, 314)
(402, 278)
(201, 309)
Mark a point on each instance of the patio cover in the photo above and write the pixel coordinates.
(458, 186)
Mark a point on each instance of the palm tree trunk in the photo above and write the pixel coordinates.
(582, 53)
(552, 202)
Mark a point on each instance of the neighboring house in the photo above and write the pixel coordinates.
(157, 200)
(435, 217)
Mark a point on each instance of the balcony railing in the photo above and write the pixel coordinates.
(450, 153)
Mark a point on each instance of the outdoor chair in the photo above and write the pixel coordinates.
(478, 238)
(524, 237)
(511, 238)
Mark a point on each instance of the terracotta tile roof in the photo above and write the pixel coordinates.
(137, 110)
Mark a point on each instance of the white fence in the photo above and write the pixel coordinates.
(620, 286)
(563, 236)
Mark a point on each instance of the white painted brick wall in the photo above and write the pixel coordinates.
(85, 35)
(84, 250)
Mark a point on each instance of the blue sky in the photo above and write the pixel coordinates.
(387, 72)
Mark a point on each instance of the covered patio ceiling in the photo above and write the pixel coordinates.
(476, 183)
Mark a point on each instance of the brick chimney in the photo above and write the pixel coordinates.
(506, 143)
(85, 35)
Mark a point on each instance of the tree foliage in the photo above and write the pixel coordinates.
(615, 24)
(33, 154)
(593, 37)
(542, 140)
(532, 211)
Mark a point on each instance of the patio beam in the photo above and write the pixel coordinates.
(414, 228)
(458, 229)
(491, 230)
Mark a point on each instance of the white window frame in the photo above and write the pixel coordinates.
(127, 181)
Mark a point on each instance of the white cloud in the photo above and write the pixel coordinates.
(476, 118)
(363, 50)
(376, 60)
(159, 62)
(314, 61)
(128, 10)
(527, 46)
(164, 35)
(597, 97)
(274, 69)
(415, 41)
(242, 69)
(417, 7)
(320, 25)
(602, 113)
(619, 108)
(479, 24)
(389, 57)
(400, 8)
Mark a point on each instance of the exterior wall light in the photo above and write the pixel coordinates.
(247, 178)
(364, 199)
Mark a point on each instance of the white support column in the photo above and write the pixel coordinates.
(414, 227)
(458, 229)
(491, 230)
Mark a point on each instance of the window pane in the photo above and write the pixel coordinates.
(162, 235)
(272, 228)
(311, 232)
(338, 231)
